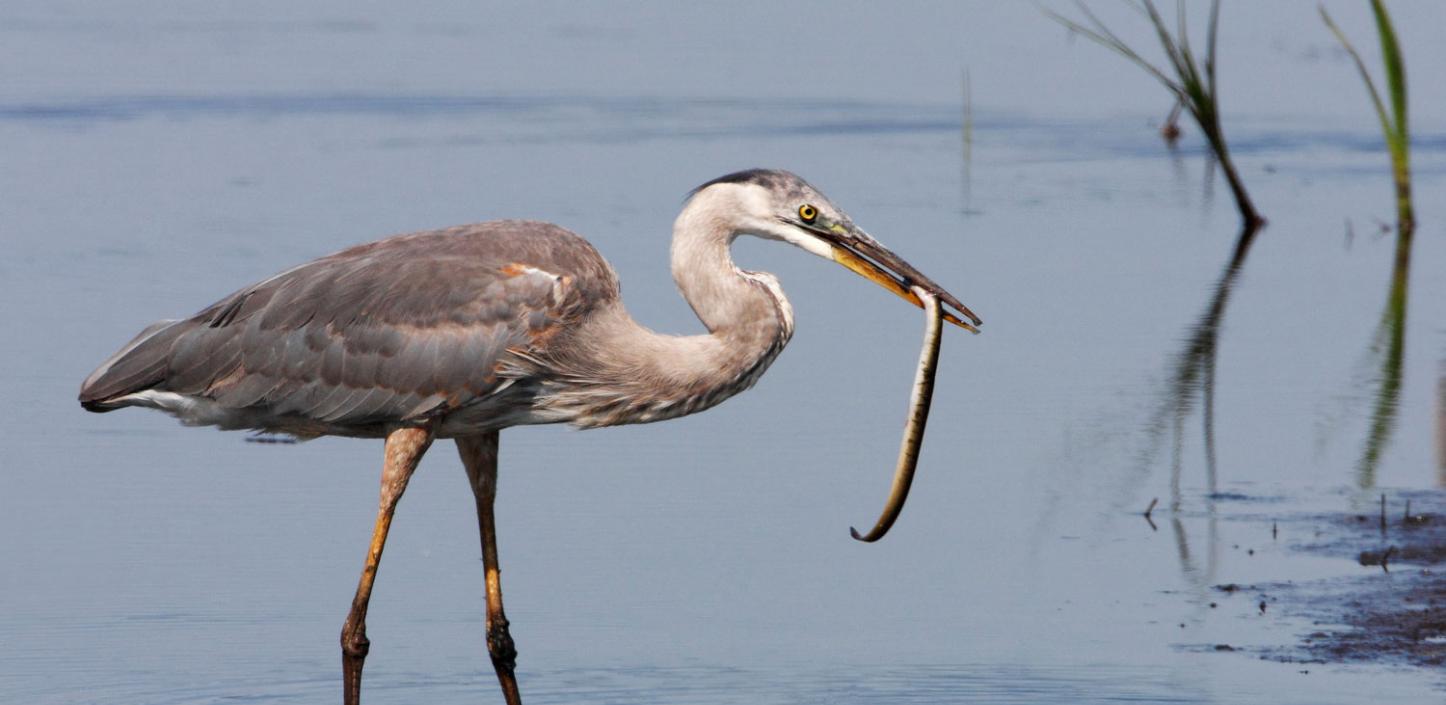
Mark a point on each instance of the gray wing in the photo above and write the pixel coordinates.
(390, 331)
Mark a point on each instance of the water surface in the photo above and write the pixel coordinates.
(158, 158)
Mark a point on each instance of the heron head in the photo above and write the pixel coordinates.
(780, 205)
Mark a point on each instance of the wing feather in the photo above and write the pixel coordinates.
(384, 332)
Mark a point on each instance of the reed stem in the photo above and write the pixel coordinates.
(1192, 82)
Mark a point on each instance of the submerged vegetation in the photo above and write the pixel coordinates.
(1191, 81)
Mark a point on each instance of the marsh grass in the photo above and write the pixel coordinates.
(966, 130)
(1394, 124)
(1190, 80)
(1170, 131)
(1389, 342)
(967, 119)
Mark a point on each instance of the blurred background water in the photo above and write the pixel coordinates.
(155, 156)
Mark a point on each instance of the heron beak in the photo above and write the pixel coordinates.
(855, 249)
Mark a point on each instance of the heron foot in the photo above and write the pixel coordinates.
(500, 645)
(355, 645)
(504, 658)
(354, 648)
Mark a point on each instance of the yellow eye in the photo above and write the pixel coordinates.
(807, 213)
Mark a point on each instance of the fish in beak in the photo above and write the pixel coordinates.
(855, 249)
(919, 402)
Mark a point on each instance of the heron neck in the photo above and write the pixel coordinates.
(748, 318)
(738, 307)
(640, 375)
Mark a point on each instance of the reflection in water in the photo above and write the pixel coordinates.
(1199, 577)
(878, 684)
(1388, 344)
(1194, 374)
(1194, 379)
(966, 132)
(1441, 427)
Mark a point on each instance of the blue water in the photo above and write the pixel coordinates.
(157, 157)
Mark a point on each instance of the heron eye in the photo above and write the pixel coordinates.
(807, 213)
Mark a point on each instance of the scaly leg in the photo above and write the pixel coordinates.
(479, 455)
(404, 449)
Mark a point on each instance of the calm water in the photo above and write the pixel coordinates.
(158, 157)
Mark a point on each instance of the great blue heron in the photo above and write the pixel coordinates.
(462, 332)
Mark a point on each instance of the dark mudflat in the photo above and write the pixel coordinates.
(1392, 612)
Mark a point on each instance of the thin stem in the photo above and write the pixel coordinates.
(1395, 124)
(1193, 87)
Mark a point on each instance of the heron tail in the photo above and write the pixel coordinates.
(137, 366)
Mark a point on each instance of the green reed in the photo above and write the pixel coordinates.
(1394, 124)
(1389, 341)
(1191, 81)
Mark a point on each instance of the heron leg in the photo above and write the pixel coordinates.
(404, 449)
(479, 455)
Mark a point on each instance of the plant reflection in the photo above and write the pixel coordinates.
(1441, 426)
(1193, 378)
(1388, 346)
(1192, 382)
(1199, 577)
